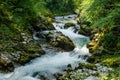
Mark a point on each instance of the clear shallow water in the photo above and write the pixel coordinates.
(53, 62)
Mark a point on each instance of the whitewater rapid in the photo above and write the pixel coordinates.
(53, 62)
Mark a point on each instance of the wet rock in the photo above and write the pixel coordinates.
(91, 59)
(57, 75)
(82, 32)
(40, 35)
(43, 77)
(25, 37)
(6, 64)
(67, 25)
(68, 68)
(85, 30)
(39, 24)
(60, 41)
(51, 36)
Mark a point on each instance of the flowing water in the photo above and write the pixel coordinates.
(54, 61)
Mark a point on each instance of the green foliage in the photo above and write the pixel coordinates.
(100, 13)
(17, 13)
(109, 40)
(60, 6)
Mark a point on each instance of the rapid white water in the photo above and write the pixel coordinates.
(53, 62)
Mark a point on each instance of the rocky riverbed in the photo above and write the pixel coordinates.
(63, 52)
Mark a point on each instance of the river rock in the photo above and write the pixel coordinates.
(6, 64)
(60, 41)
(31, 51)
(57, 75)
(85, 30)
(40, 35)
(40, 24)
(67, 25)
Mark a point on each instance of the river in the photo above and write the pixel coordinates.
(54, 61)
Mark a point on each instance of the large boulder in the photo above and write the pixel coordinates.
(60, 41)
(39, 24)
(85, 30)
(31, 51)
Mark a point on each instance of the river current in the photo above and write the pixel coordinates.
(54, 61)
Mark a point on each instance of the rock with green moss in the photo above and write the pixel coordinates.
(17, 50)
(41, 23)
(86, 66)
(31, 51)
(85, 30)
(60, 41)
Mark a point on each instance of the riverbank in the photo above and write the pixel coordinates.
(24, 22)
(103, 53)
(105, 59)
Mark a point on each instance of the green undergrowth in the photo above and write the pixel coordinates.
(115, 75)
(111, 60)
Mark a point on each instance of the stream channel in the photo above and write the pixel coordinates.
(54, 61)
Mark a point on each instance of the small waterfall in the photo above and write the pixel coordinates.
(53, 62)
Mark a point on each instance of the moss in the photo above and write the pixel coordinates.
(25, 57)
(110, 58)
(114, 75)
(31, 51)
(111, 61)
(60, 41)
(118, 45)
(85, 30)
(86, 65)
(64, 43)
(50, 20)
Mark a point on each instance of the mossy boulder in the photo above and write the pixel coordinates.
(31, 51)
(63, 42)
(41, 23)
(85, 30)
(40, 35)
(60, 41)
(67, 25)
